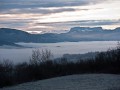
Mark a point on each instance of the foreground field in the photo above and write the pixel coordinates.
(73, 82)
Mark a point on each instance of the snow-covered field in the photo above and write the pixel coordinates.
(73, 82)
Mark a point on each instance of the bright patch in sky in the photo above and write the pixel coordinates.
(48, 15)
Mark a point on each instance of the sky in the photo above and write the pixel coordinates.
(59, 15)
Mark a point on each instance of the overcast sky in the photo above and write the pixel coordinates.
(48, 15)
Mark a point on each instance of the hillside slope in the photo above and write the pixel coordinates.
(7, 43)
(73, 82)
(74, 35)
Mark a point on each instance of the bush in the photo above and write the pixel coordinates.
(6, 73)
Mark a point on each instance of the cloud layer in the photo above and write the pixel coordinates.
(44, 15)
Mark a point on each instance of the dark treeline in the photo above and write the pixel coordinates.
(42, 67)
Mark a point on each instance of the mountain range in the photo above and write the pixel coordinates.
(10, 36)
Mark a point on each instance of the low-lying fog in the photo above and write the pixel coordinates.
(58, 49)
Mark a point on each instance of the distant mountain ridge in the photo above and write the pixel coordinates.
(79, 29)
(74, 35)
(97, 29)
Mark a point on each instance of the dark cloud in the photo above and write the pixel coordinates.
(62, 25)
(82, 23)
(13, 4)
(15, 23)
(97, 22)
(37, 11)
(40, 6)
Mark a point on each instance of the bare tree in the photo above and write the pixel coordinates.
(39, 56)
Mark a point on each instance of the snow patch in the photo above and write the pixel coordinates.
(73, 82)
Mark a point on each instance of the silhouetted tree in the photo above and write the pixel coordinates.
(40, 56)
